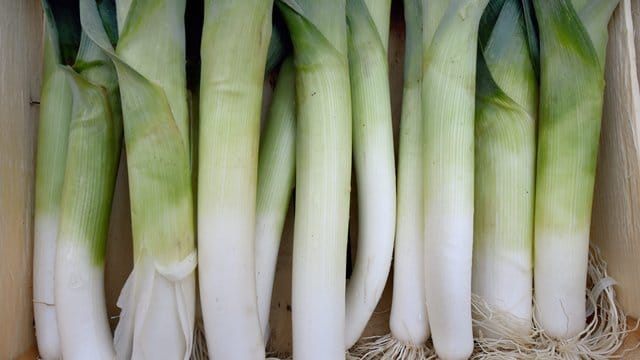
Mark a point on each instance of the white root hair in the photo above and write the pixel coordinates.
(601, 339)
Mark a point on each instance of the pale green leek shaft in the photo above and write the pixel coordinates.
(234, 46)
(94, 144)
(573, 38)
(53, 130)
(408, 321)
(505, 147)
(158, 300)
(448, 105)
(323, 175)
(373, 157)
(276, 178)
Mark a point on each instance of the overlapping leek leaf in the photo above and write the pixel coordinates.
(93, 155)
(158, 299)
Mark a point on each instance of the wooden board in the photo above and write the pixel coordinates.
(20, 68)
(616, 210)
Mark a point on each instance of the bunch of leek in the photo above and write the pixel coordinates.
(323, 173)
(408, 320)
(53, 131)
(89, 132)
(158, 300)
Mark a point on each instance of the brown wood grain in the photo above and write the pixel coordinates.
(20, 67)
(119, 259)
(631, 346)
(31, 354)
(616, 211)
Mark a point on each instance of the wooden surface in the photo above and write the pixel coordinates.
(20, 68)
(635, 17)
(616, 210)
(631, 346)
(119, 244)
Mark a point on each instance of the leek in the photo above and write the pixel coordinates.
(92, 162)
(53, 130)
(505, 146)
(323, 175)
(234, 46)
(276, 177)
(408, 320)
(158, 299)
(373, 156)
(573, 38)
(448, 104)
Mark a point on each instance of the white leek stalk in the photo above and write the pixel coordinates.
(408, 320)
(505, 146)
(448, 104)
(323, 175)
(92, 161)
(573, 38)
(234, 48)
(158, 299)
(53, 130)
(276, 177)
(373, 157)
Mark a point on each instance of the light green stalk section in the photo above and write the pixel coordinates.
(159, 179)
(572, 85)
(505, 147)
(55, 114)
(448, 103)
(380, 13)
(155, 29)
(573, 38)
(122, 10)
(408, 321)
(276, 178)
(53, 130)
(53, 127)
(160, 289)
(432, 14)
(323, 175)
(373, 156)
(95, 137)
(507, 57)
(235, 39)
